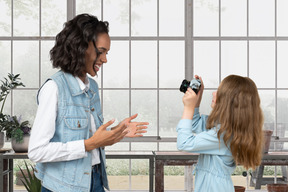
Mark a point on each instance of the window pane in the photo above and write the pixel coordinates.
(233, 18)
(25, 107)
(5, 18)
(97, 77)
(207, 67)
(261, 18)
(54, 15)
(262, 57)
(26, 18)
(140, 168)
(140, 172)
(118, 176)
(144, 64)
(143, 18)
(5, 55)
(116, 70)
(145, 104)
(172, 65)
(282, 15)
(116, 12)
(170, 112)
(47, 69)
(140, 178)
(205, 107)
(89, 6)
(168, 146)
(206, 18)
(143, 146)
(233, 58)
(7, 105)
(120, 146)
(268, 106)
(28, 67)
(282, 108)
(171, 17)
(115, 105)
(282, 60)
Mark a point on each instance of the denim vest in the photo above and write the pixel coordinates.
(73, 123)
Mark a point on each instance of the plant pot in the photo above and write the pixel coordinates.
(1, 140)
(239, 188)
(277, 187)
(267, 140)
(21, 147)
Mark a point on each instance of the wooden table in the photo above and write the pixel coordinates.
(170, 158)
(3, 166)
(6, 165)
(272, 159)
(182, 158)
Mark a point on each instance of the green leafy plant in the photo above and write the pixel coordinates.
(7, 85)
(31, 182)
(15, 128)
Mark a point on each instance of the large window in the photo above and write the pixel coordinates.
(146, 64)
(247, 38)
(155, 45)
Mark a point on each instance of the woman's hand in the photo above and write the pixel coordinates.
(102, 137)
(134, 129)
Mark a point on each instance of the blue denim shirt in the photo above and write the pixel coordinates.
(73, 123)
(215, 162)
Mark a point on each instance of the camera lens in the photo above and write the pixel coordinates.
(184, 85)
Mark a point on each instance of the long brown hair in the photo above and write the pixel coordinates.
(239, 114)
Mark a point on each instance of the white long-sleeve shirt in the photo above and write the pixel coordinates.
(40, 147)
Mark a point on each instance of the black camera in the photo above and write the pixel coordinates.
(195, 85)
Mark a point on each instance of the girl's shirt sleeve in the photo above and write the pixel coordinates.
(194, 137)
(196, 125)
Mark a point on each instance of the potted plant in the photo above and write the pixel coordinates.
(31, 182)
(7, 85)
(19, 132)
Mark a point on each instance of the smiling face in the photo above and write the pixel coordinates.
(92, 62)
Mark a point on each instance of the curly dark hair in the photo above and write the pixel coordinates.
(68, 53)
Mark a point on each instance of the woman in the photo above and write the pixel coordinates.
(68, 139)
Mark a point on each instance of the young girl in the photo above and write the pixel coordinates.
(231, 135)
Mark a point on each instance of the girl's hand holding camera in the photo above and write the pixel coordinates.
(191, 100)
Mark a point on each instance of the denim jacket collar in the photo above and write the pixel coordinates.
(74, 84)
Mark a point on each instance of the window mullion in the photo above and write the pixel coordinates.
(71, 9)
(188, 39)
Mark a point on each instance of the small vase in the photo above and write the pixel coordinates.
(1, 140)
(239, 188)
(21, 147)
(277, 187)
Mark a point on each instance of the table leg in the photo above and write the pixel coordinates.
(3, 178)
(11, 175)
(1, 172)
(159, 176)
(188, 176)
(259, 177)
(151, 174)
